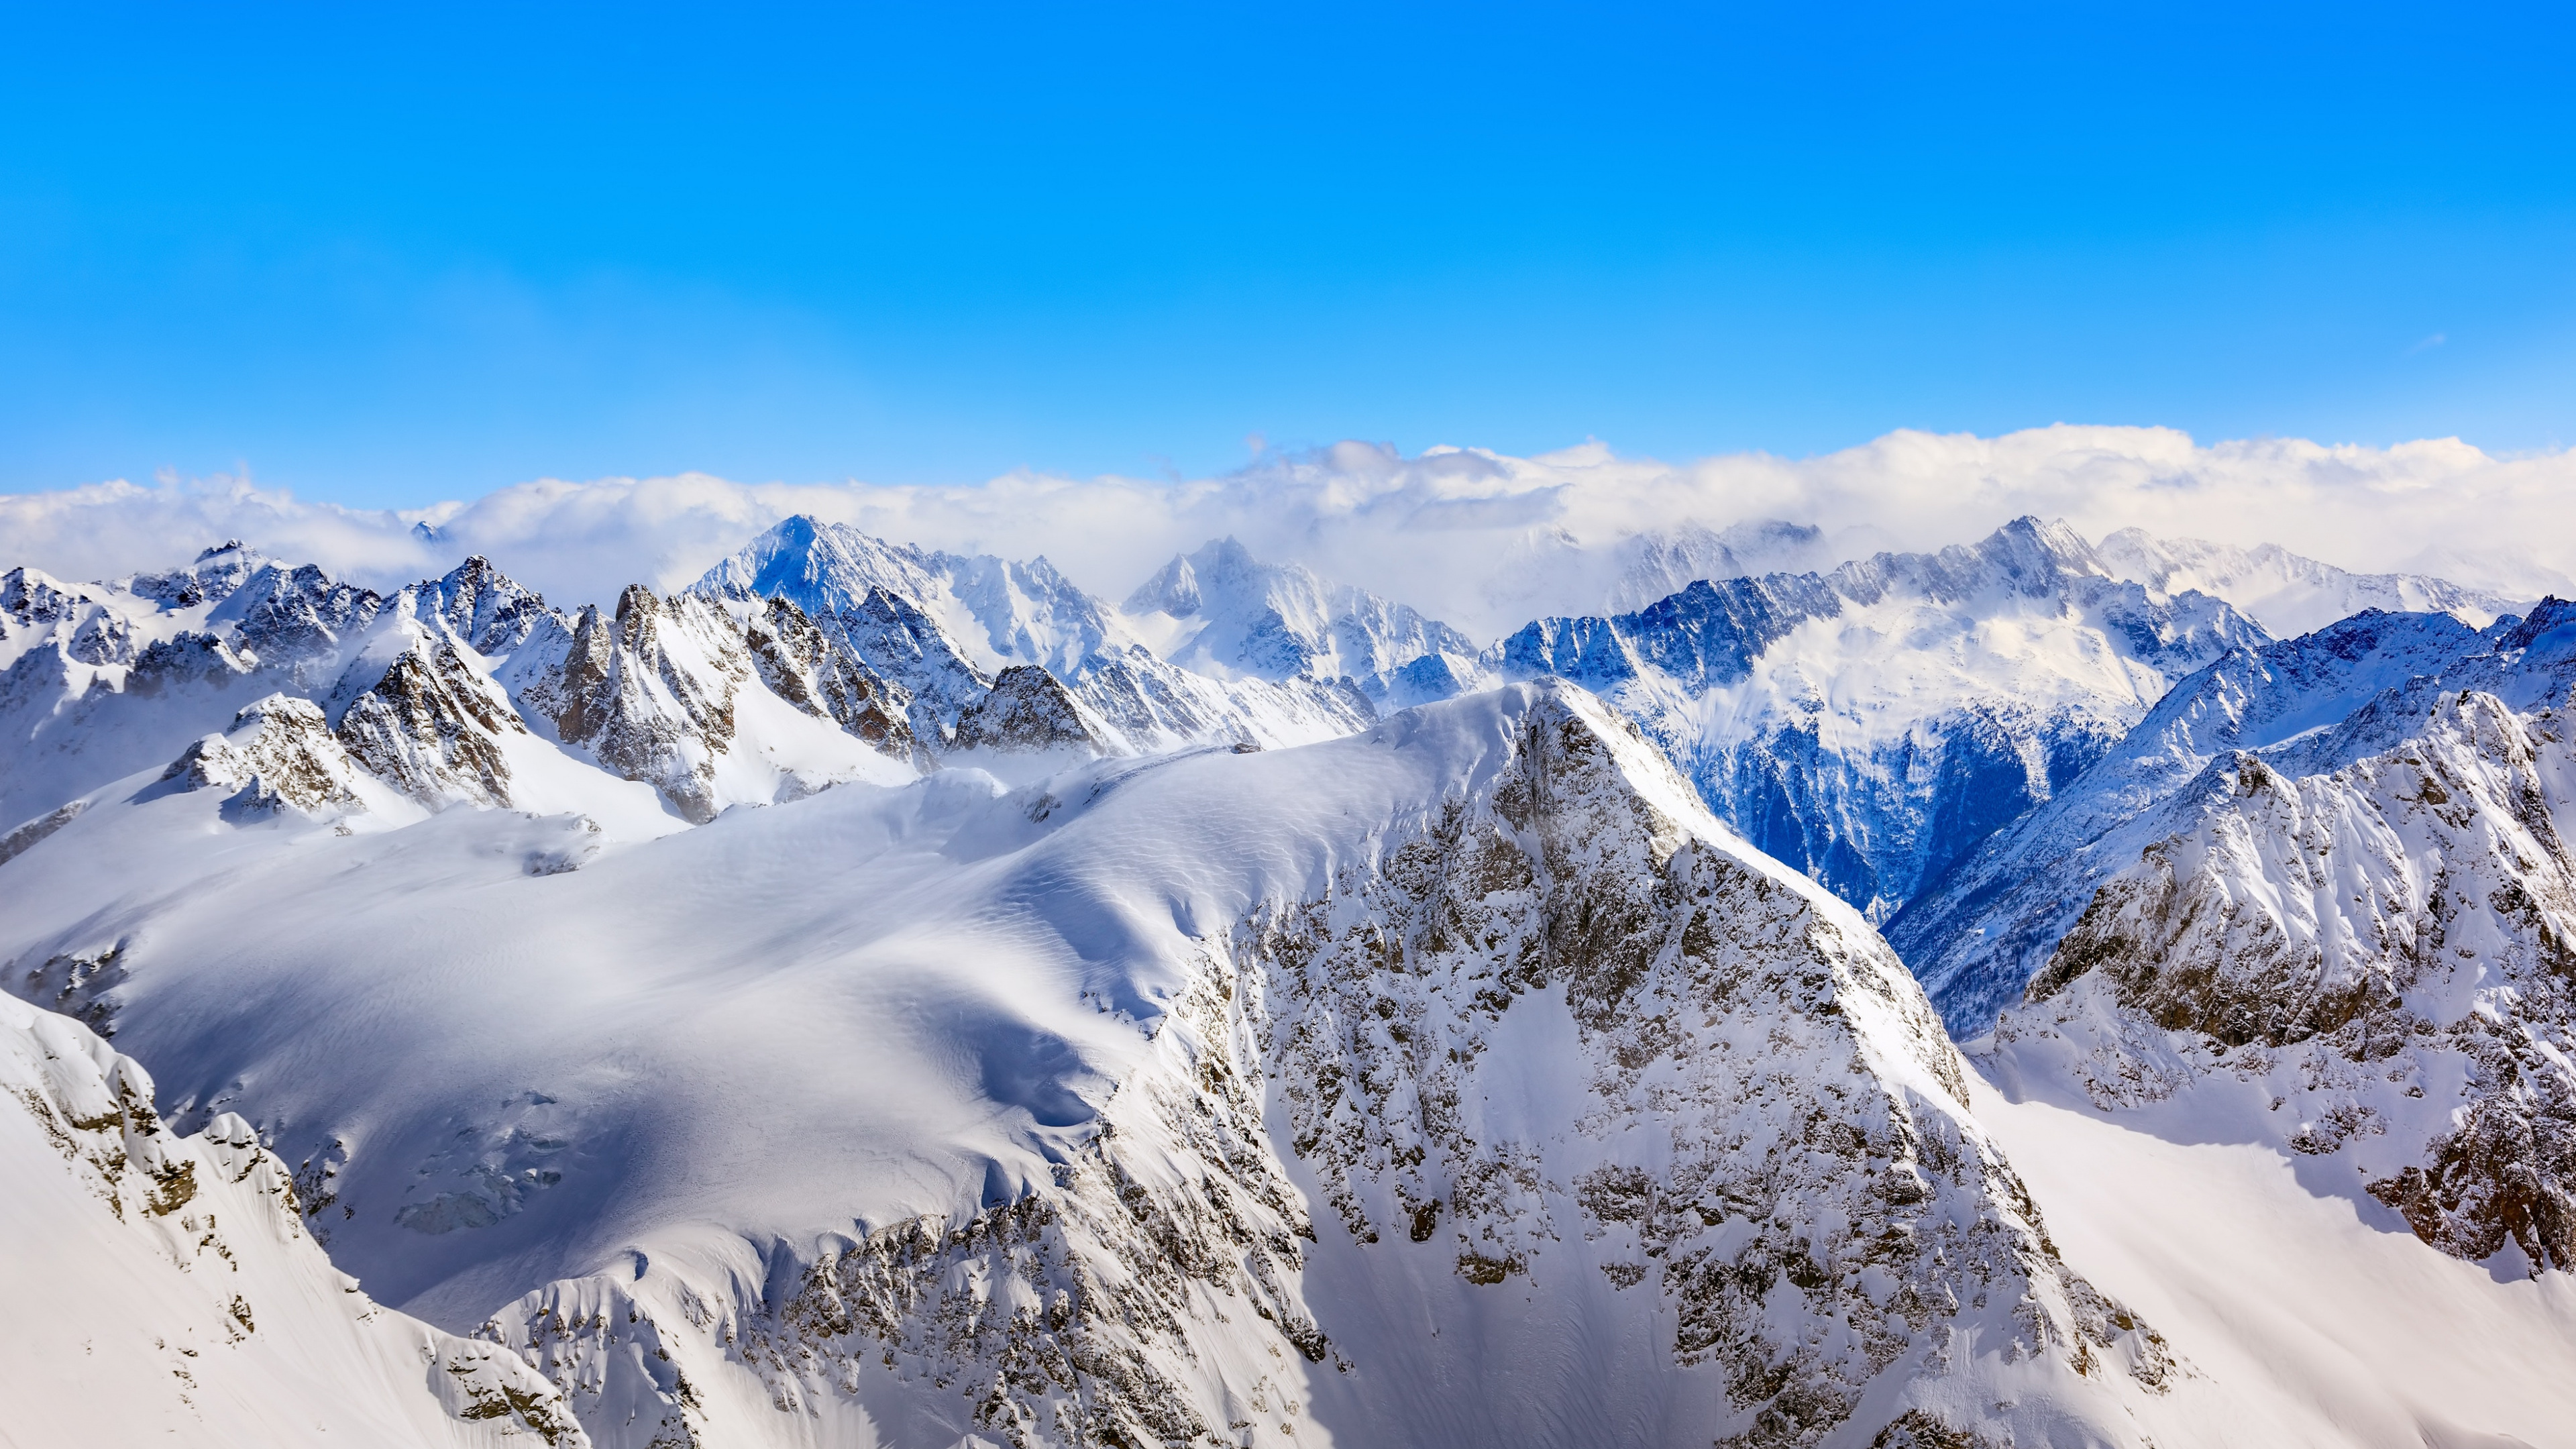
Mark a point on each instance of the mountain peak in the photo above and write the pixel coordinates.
(1238, 616)
(2038, 552)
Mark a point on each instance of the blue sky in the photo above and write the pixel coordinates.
(386, 256)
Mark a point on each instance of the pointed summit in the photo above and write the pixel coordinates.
(1222, 611)
(822, 568)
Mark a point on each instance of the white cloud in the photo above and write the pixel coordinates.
(1481, 538)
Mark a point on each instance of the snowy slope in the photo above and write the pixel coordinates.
(2327, 1323)
(163, 1289)
(1987, 928)
(1871, 725)
(1459, 1082)
(1222, 612)
(2288, 593)
(2339, 928)
(2369, 967)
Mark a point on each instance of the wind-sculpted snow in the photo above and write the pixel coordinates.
(1980, 936)
(1870, 726)
(1459, 1082)
(163, 1288)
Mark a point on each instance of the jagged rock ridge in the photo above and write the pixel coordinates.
(944, 625)
(2374, 926)
(1871, 725)
(1987, 928)
(1477, 1020)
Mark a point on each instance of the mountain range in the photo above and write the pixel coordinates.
(2030, 992)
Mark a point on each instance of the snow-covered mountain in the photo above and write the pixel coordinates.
(1979, 937)
(1220, 611)
(466, 688)
(2287, 593)
(2382, 951)
(164, 1289)
(1661, 562)
(944, 626)
(1168, 1100)
(2327, 901)
(825, 1007)
(1871, 725)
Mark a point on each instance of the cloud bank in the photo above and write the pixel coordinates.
(1483, 539)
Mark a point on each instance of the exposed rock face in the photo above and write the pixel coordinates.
(211, 577)
(431, 726)
(1746, 1146)
(1805, 1139)
(648, 692)
(817, 671)
(30, 598)
(290, 615)
(1872, 725)
(434, 686)
(2388, 948)
(280, 752)
(169, 1286)
(894, 637)
(1028, 710)
(942, 625)
(1989, 927)
(102, 681)
(482, 606)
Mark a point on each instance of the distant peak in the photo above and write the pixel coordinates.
(2033, 545)
(1174, 590)
(230, 545)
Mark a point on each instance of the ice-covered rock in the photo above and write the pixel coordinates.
(943, 625)
(664, 691)
(2358, 943)
(210, 578)
(483, 607)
